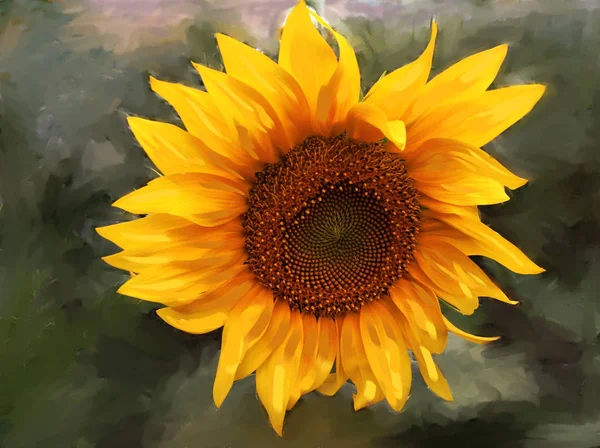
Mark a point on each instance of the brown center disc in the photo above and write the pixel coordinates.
(332, 225)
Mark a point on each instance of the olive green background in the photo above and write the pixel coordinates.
(81, 366)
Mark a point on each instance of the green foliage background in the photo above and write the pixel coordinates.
(81, 366)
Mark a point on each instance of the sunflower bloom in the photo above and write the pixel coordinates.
(322, 230)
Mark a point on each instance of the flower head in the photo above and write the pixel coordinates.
(321, 230)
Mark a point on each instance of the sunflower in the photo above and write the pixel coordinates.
(320, 228)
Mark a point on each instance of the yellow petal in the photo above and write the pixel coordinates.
(367, 123)
(467, 336)
(182, 282)
(211, 311)
(395, 92)
(467, 189)
(343, 89)
(203, 119)
(334, 381)
(150, 230)
(246, 324)
(422, 311)
(139, 259)
(386, 352)
(270, 340)
(496, 111)
(302, 45)
(179, 244)
(175, 151)
(459, 269)
(478, 121)
(475, 238)
(356, 365)
(201, 198)
(470, 212)
(276, 377)
(327, 349)
(276, 85)
(466, 79)
(437, 158)
(430, 372)
(248, 108)
(307, 359)
(443, 282)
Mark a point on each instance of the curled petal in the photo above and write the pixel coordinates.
(467, 336)
(367, 123)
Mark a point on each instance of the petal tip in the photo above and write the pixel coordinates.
(218, 399)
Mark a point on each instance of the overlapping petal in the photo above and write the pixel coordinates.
(476, 121)
(356, 365)
(420, 307)
(395, 92)
(250, 111)
(276, 85)
(306, 55)
(342, 91)
(246, 323)
(334, 381)
(310, 347)
(429, 370)
(175, 151)
(452, 275)
(466, 79)
(367, 123)
(386, 352)
(445, 160)
(204, 120)
(276, 377)
(270, 340)
(204, 199)
(210, 310)
(177, 283)
(187, 243)
(473, 237)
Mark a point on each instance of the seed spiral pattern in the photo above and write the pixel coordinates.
(332, 225)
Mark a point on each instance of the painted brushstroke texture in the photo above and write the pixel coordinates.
(81, 366)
